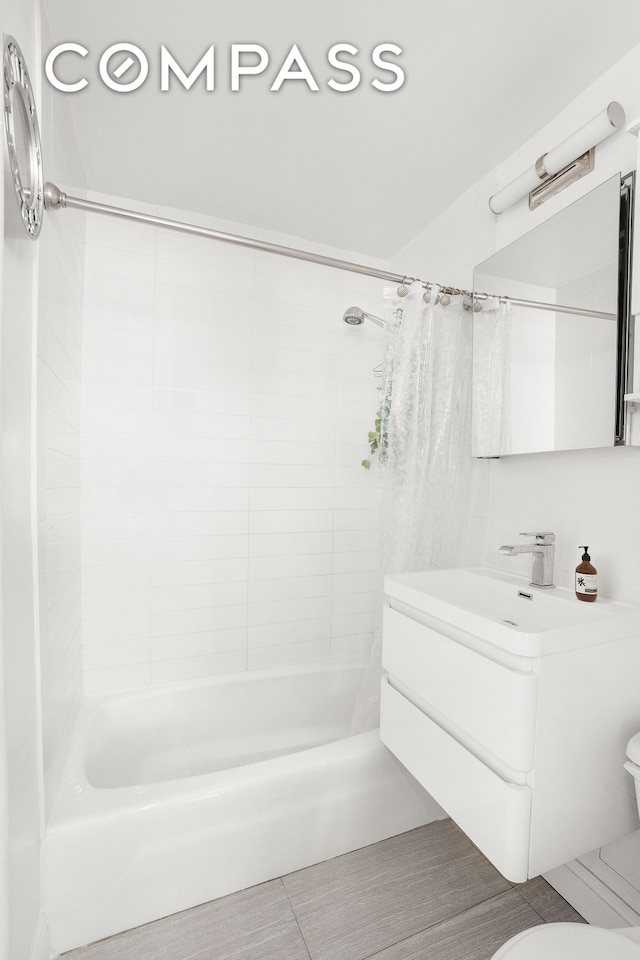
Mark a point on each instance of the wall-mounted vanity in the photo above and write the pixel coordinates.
(513, 708)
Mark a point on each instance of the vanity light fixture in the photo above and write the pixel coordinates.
(565, 164)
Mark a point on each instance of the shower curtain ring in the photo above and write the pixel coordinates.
(426, 296)
(403, 289)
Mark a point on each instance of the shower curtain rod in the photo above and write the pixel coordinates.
(55, 199)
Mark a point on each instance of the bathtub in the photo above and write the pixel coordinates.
(175, 795)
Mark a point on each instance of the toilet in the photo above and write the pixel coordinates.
(578, 941)
(569, 941)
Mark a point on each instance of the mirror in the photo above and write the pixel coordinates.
(545, 378)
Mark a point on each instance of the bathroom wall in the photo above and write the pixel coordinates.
(227, 522)
(40, 645)
(584, 496)
(60, 288)
(5, 842)
(20, 771)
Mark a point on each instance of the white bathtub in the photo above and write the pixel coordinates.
(174, 796)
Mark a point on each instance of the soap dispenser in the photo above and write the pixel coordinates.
(586, 578)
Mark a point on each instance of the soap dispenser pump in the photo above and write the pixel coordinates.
(586, 578)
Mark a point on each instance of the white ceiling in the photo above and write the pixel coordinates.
(364, 171)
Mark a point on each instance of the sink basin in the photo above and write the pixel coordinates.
(506, 611)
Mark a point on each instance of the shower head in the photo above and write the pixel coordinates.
(355, 316)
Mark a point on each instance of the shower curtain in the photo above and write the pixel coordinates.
(425, 449)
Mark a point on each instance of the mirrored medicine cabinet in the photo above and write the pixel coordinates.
(550, 371)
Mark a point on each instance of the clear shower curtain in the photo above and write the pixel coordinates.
(425, 456)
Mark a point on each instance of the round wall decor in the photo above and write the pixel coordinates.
(23, 137)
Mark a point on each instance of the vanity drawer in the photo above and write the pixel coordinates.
(494, 813)
(493, 704)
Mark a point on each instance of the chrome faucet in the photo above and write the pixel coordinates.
(542, 550)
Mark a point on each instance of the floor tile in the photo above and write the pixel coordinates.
(547, 902)
(475, 934)
(255, 924)
(355, 905)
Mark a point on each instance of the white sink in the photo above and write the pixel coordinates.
(506, 611)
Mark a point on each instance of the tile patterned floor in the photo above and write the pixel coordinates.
(424, 894)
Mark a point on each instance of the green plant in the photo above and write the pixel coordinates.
(375, 438)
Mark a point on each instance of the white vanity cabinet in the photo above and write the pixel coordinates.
(524, 750)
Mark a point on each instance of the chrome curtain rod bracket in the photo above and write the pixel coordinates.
(56, 199)
(53, 197)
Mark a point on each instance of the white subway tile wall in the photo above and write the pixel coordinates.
(227, 523)
(58, 379)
